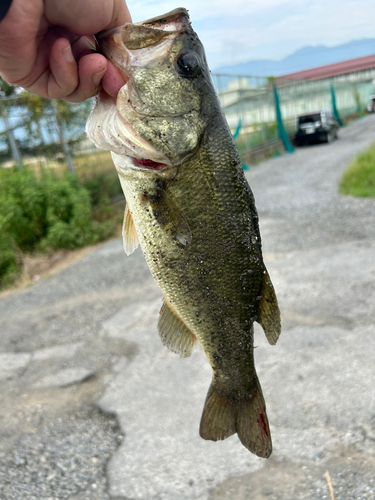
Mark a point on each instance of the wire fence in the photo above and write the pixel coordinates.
(39, 132)
(249, 105)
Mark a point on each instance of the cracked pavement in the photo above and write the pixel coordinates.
(93, 406)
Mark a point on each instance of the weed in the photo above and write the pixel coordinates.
(359, 178)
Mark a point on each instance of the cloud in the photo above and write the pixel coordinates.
(201, 10)
(241, 30)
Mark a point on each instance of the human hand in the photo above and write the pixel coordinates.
(45, 47)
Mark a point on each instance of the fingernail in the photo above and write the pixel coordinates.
(97, 77)
(68, 53)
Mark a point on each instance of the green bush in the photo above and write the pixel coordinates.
(22, 207)
(10, 261)
(43, 214)
(359, 178)
(102, 187)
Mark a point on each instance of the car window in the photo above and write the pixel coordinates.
(309, 119)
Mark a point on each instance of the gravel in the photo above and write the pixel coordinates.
(64, 458)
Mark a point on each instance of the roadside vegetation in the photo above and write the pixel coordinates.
(42, 211)
(359, 178)
(54, 195)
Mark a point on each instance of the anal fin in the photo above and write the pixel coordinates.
(173, 332)
(129, 234)
(268, 311)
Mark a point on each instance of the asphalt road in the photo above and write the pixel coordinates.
(93, 406)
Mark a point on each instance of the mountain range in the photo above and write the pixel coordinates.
(305, 58)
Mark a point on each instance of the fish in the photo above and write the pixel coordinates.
(191, 210)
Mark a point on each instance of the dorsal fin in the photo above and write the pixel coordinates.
(268, 311)
(129, 234)
(174, 333)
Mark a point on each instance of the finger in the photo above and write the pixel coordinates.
(64, 78)
(112, 80)
(63, 70)
(86, 71)
(53, 48)
(91, 68)
(55, 72)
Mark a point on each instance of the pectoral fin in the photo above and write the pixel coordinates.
(129, 234)
(173, 332)
(268, 312)
(168, 215)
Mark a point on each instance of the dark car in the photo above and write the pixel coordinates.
(371, 104)
(320, 126)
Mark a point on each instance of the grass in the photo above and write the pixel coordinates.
(85, 164)
(89, 164)
(359, 178)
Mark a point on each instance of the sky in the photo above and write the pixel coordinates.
(234, 31)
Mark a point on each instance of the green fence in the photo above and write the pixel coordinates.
(250, 101)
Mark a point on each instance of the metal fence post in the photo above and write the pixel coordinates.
(280, 125)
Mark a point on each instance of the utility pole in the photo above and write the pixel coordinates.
(63, 142)
(13, 145)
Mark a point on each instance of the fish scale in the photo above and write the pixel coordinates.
(193, 214)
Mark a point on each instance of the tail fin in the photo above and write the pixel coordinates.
(223, 416)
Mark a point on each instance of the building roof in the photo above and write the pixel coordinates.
(331, 70)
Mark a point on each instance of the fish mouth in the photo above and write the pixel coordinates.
(174, 21)
(148, 164)
(107, 129)
(109, 126)
(129, 45)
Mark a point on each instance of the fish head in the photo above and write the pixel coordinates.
(158, 118)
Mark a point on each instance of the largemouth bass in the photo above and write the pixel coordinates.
(192, 212)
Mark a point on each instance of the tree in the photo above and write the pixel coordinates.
(49, 126)
(7, 91)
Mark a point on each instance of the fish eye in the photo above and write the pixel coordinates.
(188, 64)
